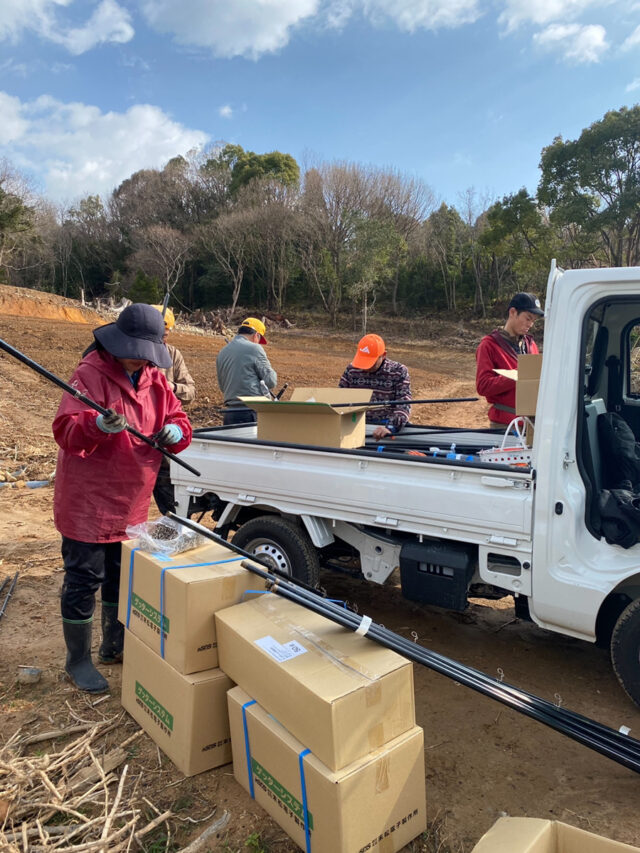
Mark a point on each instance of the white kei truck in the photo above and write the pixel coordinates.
(464, 525)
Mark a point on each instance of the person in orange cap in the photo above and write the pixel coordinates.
(388, 379)
(241, 366)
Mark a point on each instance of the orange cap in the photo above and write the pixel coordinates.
(370, 348)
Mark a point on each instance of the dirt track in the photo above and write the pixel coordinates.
(481, 759)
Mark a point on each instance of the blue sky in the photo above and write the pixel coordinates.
(460, 93)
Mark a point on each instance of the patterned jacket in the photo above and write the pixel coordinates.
(389, 382)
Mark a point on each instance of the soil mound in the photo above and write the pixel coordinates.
(20, 302)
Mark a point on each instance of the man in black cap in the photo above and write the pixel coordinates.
(500, 349)
(105, 475)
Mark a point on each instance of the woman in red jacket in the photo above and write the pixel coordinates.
(105, 475)
(501, 349)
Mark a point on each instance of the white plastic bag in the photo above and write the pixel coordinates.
(165, 536)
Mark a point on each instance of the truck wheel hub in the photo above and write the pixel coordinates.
(273, 554)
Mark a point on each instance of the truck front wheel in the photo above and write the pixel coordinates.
(625, 650)
(283, 543)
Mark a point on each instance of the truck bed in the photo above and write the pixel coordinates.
(473, 501)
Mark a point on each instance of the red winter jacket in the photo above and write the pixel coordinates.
(494, 351)
(104, 481)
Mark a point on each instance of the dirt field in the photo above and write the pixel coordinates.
(482, 760)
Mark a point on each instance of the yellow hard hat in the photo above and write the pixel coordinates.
(169, 319)
(257, 326)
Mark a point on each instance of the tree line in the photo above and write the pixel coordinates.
(227, 227)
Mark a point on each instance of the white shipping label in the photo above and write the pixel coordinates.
(279, 652)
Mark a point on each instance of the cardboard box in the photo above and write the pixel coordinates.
(186, 715)
(527, 384)
(339, 693)
(377, 802)
(527, 379)
(312, 417)
(182, 592)
(533, 835)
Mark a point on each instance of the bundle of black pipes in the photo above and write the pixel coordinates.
(615, 745)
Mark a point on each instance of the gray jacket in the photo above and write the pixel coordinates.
(240, 365)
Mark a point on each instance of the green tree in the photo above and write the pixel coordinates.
(246, 166)
(145, 288)
(593, 183)
(372, 258)
(16, 218)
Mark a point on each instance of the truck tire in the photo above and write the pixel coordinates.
(625, 650)
(286, 546)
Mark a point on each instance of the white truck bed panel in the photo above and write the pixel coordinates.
(395, 492)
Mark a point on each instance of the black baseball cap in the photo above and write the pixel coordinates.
(527, 302)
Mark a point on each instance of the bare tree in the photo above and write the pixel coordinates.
(228, 240)
(162, 251)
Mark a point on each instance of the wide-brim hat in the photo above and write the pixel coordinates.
(137, 333)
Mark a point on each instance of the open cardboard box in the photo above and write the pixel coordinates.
(313, 416)
(534, 835)
(527, 379)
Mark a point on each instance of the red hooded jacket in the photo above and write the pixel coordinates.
(104, 481)
(494, 351)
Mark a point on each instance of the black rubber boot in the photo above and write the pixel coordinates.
(79, 667)
(112, 635)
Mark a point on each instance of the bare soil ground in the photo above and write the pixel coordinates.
(482, 760)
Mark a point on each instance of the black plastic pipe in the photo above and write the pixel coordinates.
(604, 740)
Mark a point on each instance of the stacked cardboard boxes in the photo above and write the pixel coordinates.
(171, 683)
(323, 728)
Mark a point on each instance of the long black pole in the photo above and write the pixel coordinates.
(88, 402)
(388, 403)
(9, 594)
(405, 402)
(606, 741)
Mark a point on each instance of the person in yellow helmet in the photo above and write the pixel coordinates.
(182, 384)
(241, 366)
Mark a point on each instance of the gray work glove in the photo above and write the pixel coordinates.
(113, 422)
(169, 434)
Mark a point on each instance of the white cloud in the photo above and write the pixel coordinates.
(13, 126)
(230, 27)
(19, 15)
(109, 22)
(225, 111)
(75, 148)
(577, 44)
(541, 12)
(633, 40)
(633, 86)
(252, 28)
(411, 15)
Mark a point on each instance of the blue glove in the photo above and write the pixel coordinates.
(112, 423)
(169, 434)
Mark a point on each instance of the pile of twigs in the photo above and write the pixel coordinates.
(71, 800)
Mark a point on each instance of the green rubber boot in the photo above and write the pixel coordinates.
(79, 666)
(112, 635)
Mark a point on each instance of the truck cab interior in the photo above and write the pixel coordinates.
(610, 351)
